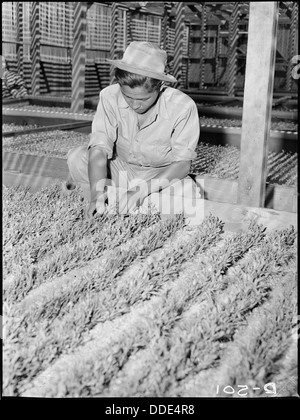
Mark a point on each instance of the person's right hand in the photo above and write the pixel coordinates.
(96, 207)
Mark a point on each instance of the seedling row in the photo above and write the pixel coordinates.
(199, 289)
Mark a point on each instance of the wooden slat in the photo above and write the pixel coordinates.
(35, 48)
(280, 198)
(165, 25)
(233, 42)
(257, 108)
(203, 46)
(19, 24)
(33, 165)
(237, 113)
(78, 56)
(292, 48)
(114, 36)
(178, 54)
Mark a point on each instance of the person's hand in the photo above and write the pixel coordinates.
(96, 207)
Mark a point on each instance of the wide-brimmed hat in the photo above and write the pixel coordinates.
(145, 59)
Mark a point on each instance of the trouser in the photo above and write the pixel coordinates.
(172, 199)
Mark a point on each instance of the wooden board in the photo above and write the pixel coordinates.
(277, 197)
(20, 164)
(236, 217)
(237, 113)
(259, 81)
(78, 56)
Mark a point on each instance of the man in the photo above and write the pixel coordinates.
(12, 84)
(144, 135)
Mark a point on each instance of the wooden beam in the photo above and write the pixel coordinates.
(35, 48)
(178, 54)
(203, 45)
(258, 93)
(20, 37)
(165, 26)
(129, 17)
(292, 46)
(114, 37)
(233, 43)
(78, 56)
(278, 197)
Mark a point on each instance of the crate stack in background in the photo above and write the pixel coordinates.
(41, 35)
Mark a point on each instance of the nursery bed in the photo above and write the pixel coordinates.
(54, 143)
(216, 161)
(44, 108)
(11, 127)
(177, 311)
(224, 130)
(221, 121)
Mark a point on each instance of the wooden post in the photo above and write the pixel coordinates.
(259, 80)
(114, 36)
(78, 57)
(203, 45)
(20, 37)
(129, 38)
(165, 26)
(233, 39)
(35, 48)
(217, 53)
(292, 46)
(178, 42)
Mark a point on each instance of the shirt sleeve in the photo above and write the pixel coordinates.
(186, 134)
(104, 127)
(13, 80)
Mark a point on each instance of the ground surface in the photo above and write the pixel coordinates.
(139, 306)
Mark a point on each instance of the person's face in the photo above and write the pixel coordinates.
(139, 98)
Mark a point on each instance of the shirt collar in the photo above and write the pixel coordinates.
(160, 107)
(161, 104)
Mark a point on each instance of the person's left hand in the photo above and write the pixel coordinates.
(129, 201)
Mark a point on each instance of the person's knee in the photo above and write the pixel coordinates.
(77, 161)
(76, 155)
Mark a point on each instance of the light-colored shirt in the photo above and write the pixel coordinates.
(169, 134)
(12, 85)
